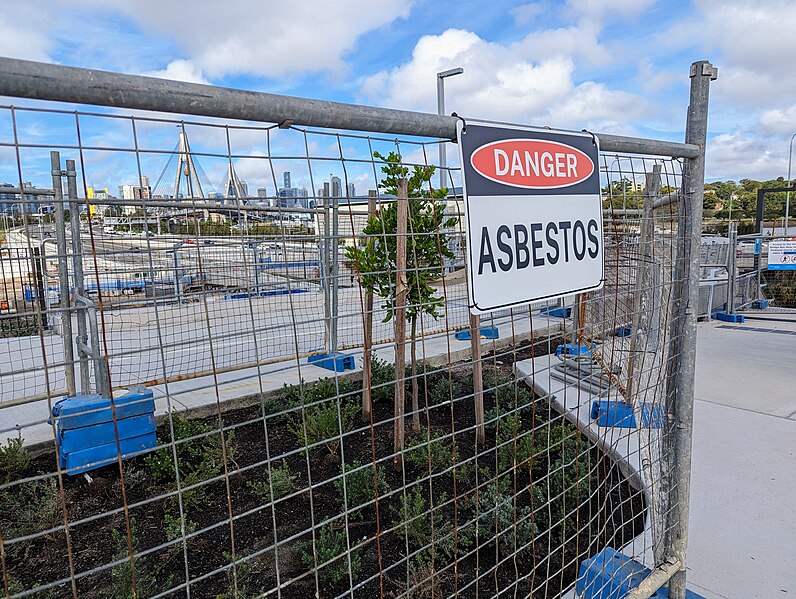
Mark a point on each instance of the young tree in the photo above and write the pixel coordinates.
(426, 250)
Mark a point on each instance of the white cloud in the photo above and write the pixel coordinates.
(741, 155)
(180, 70)
(274, 38)
(503, 83)
(525, 14)
(599, 11)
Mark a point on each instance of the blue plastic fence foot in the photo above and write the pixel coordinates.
(557, 311)
(484, 332)
(620, 415)
(724, 317)
(625, 331)
(337, 362)
(570, 349)
(86, 433)
(611, 575)
(760, 304)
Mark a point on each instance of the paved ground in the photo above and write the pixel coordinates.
(742, 529)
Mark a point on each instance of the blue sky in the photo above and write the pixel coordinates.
(618, 66)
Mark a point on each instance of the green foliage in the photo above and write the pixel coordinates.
(497, 517)
(427, 243)
(27, 508)
(330, 546)
(174, 526)
(320, 424)
(437, 448)
(442, 389)
(149, 577)
(200, 456)
(239, 581)
(411, 519)
(360, 488)
(14, 459)
(382, 377)
(282, 480)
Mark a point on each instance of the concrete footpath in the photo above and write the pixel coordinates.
(742, 530)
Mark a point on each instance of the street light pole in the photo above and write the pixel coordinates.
(441, 111)
(787, 194)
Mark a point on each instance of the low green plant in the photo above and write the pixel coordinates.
(498, 516)
(149, 577)
(14, 459)
(198, 445)
(282, 480)
(443, 389)
(240, 587)
(382, 377)
(411, 519)
(27, 508)
(360, 487)
(320, 424)
(435, 450)
(174, 526)
(330, 546)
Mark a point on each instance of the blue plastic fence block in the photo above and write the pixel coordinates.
(611, 575)
(87, 435)
(570, 349)
(85, 410)
(101, 455)
(760, 304)
(619, 414)
(75, 439)
(484, 332)
(556, 311)
(723, 316)
(625, 331)
(336, 362)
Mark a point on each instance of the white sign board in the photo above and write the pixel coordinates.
(534, 214)
(782, 254)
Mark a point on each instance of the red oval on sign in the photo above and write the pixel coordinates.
(532, 163)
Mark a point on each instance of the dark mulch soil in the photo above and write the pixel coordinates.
(606, 511)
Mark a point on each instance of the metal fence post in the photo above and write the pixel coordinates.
(682, 406)
(63, 275)
(334, 246)
(77, 269)
(731, 267)
(325, 283)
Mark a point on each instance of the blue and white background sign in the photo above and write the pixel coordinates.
(782, 254)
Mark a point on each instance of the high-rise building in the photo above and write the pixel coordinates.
(337, 187)
(262, 192)
(351, 191)
(286, 179)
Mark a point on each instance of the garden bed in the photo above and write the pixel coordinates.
(517, 514)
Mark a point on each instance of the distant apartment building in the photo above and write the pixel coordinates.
(291, 197)
(28, 202)
(134, 192)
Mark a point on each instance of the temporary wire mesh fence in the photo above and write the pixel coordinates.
(452, 474)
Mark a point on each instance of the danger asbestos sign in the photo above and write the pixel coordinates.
(534, 214)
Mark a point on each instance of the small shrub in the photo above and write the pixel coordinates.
(444, 389)
(497, 517)
(359, 487)
(149, 579)
(202, 453)
(282, 480)
(437, 448)
(330, 546)
(174, 526)
(382, 377)
(411, 519)
(322, 424)
(14, 459)
(27, 508)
